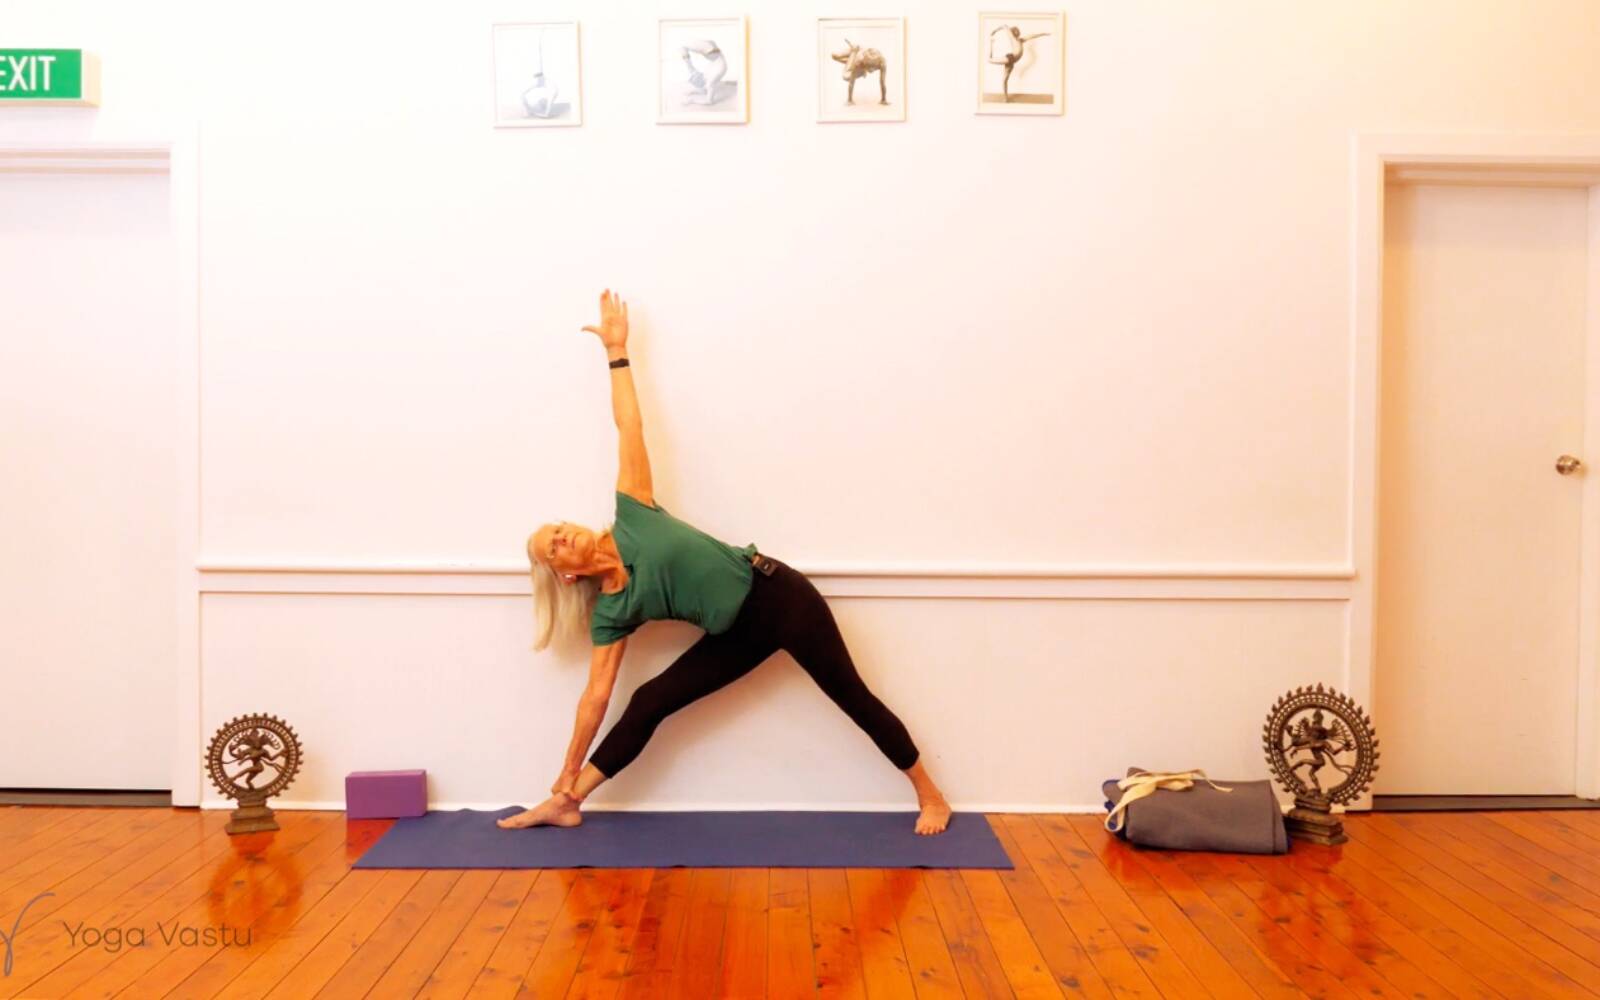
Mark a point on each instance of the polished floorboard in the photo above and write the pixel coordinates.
(102, 902)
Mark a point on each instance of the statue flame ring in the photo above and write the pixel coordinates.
(259, 742)
(1320, 744)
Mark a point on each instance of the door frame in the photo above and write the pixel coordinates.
(154, 148)
(1551, 160)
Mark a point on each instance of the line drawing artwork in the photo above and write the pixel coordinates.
(705, 89)
(859, 62)
(540, 99)
(703, 65)
(1016, 43)
(870, 52)
(537, 78)
(1021, 63)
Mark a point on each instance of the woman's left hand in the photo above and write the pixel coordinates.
(613, 328)
(564, 784)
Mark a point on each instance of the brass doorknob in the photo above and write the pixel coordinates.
(1567, 465)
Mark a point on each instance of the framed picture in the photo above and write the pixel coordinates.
(1022, 65)
(861, 69)
(703, 72)
(537, 78)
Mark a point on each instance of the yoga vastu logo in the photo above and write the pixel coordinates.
(112, 939)
(16, 926)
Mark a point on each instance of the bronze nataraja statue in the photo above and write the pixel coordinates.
(1294, 740)
(259, 743)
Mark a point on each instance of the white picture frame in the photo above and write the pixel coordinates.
(538, 74)
(861, 69)
(703, 71)
(1022, 62)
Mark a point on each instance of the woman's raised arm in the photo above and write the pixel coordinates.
(633, 465)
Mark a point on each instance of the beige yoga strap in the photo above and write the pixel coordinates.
(1137, 786)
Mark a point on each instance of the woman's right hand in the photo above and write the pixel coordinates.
(564, 783)
(613, 328)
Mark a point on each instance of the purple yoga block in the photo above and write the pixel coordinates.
(385, 794)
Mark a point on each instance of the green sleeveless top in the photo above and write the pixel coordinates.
(674, 571)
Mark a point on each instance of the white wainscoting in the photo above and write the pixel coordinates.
(1025, 686)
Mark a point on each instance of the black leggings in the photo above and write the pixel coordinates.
(782, 611)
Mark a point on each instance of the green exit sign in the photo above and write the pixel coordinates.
(49, 76)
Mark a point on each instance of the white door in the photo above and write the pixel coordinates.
(88, 508)
(1482, 391)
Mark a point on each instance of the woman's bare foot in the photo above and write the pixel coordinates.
(560, 809)
(935, 810)
(934, 817)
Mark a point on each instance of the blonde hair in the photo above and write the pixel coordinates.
(560, 609)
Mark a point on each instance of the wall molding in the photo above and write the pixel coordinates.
(87, 158)
(999, 581)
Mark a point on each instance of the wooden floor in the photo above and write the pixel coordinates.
(1419, 905)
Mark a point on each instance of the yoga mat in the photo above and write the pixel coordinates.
(469, 838)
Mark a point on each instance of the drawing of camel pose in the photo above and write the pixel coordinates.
(1016, 40)
(716, 69)
(858, 62)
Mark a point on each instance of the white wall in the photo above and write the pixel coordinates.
(1115, 339)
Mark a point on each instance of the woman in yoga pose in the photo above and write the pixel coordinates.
(651, 565)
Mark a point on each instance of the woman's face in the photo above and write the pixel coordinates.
(565, 547)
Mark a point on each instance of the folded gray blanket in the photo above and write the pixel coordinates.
(1247, 820)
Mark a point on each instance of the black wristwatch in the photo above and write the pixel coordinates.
(620, 363)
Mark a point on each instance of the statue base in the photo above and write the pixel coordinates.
(252, 817)
(1313, 820)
